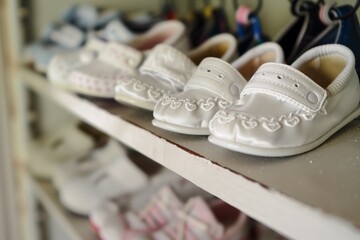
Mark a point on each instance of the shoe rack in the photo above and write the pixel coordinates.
(315, 195)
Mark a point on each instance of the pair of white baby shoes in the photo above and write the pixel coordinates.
(260, 106)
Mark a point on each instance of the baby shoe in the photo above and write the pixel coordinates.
(296, 36)
(160, 210)
(198, 220)
(85, 165)
(60, 146)
(214, 86)
(286, 110)
(344, 31)
(181, 187)
(118, 178)
(166, 70)
(98, 78)
(63, 63)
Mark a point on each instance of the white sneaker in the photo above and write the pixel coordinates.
(58, 147)
(286, 110)
(118, 178)
(214, 86)
(79, 167)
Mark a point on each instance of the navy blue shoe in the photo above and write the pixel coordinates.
(296, 37)
(343, 31)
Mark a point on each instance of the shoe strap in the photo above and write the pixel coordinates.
(168, 64)
(218, 77)
(287, 84)
(121, 56)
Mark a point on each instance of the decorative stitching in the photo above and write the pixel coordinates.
(269, 124)
(191, 105)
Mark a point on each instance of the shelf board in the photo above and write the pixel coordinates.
(76, 227)
(315, 195)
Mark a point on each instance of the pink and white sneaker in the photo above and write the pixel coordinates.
(110, 225)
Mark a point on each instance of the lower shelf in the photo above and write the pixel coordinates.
(76, 227)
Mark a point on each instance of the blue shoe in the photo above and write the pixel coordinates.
(295, 38)
(343, 31)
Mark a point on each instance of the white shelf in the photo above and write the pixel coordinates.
(310, 196)
(76, 227)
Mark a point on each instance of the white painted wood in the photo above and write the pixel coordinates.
(310, 196)
(74, 226)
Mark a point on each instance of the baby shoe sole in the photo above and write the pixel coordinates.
(180, 129)
(282, 152)
(134, 103)
(89, 93)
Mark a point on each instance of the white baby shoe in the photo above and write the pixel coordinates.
(118, 178)
(85, 165)
(166, 71)
(63, 63)
(98, 78)
(287, 110)
(214, 86)
(58, 147)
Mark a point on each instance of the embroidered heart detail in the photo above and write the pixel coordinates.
(165, 100)
(154, 94)
(271, 126)
(139, 87)
(223, 104)
(249, 124)
(207, 106)
(226, 119)
(190, 106)
(308, 115)
(291, 121)
(175, 104)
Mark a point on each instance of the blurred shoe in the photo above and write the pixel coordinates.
(58, 147)
(98, 78)
(111, 225)
(119, 177)
(63, 63)
(180, 187)
(85, 165)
